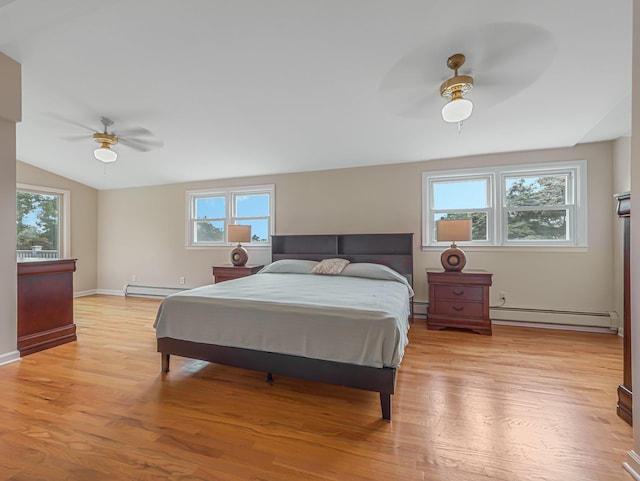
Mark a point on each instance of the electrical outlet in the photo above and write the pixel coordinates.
(503, 296)
(181, 280)
(133, 278)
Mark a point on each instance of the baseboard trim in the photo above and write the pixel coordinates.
(110, 292)
(85, 293)
(9, 357)
(632, 465)
(420, 308)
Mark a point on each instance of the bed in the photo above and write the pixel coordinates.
(186, 325)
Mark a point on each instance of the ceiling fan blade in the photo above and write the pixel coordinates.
(69, 121)
(133, 131)
(501, 45)
(75, 138)
(141, 145)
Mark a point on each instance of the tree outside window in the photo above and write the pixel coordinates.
(38, 222)
(537, 207)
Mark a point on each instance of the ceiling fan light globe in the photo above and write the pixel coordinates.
(105, 154)
(457, 110)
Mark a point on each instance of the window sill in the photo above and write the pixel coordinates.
(229, 246)
(522, 248)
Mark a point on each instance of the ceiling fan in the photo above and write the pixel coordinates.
(457, 109)
(137, 138)
(506, 58)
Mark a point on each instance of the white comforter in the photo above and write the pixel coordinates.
(338, 318)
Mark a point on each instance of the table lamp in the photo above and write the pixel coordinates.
(453, 259)
(239, 233)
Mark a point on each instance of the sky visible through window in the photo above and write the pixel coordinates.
(248, 207)
(460, 195)
(254, 206)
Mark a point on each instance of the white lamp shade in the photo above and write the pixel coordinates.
(457, 110)
(453, 230)
(105, 154)
(239, 233)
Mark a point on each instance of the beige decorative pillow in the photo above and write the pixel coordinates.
(330, 266)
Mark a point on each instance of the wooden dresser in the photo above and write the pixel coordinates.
(459, 299)
(45, 304)
(625, 390)
(228, 272)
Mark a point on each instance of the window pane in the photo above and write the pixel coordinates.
(210, 208)
(212, 231)
(252, 205)
(463, 194)
(537, 225)
(38, 224)
(478, 223)
(259, 229)
(536, 190)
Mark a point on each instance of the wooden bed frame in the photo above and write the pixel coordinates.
(392, 250)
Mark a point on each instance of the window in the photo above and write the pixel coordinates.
(455, 198)
(42, 222)
(209, 212)
(542, 204)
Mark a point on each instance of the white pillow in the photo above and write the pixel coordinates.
(374, 271)
(289, 266)
(330, 267)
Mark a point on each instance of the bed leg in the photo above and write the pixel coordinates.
(165, 362)
(270, 378)
(385, 404)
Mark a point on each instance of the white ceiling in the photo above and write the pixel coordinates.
(249, 87)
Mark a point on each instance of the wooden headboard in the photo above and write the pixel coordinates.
(392, 250)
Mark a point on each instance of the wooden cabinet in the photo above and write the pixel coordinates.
(459, 299)
(228, 272)
(45, 304)
(625, 390)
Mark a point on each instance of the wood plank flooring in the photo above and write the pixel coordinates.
(523, 404)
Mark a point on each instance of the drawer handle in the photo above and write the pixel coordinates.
(458, 308)
(457, 293)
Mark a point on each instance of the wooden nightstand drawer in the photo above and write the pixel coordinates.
(459, 300)
(459, 293)
(459, 309)
(229, 272)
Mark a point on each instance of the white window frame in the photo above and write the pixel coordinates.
(64, 229)
(457, 177)
(230, 195)
(496, 218)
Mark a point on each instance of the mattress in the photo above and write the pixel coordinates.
(343, 318)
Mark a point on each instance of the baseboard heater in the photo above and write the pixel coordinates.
(546, 318)
(150, 291)
(608, 321)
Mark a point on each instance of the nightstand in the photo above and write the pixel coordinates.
(459, 299)
(228, 272)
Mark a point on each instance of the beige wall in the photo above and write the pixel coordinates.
(10, 114)
(84, 222)
(621, 183)
(141, 231)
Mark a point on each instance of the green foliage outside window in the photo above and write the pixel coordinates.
(529, 223)
(38, 220)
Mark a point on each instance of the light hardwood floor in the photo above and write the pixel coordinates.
(524, 404)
